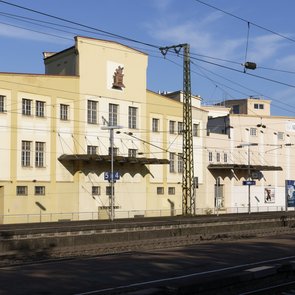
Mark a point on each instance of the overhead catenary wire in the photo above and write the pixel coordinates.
(134, 40)
(276, 81)
(246, 21)
(78, 24)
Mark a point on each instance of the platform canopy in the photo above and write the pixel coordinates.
(94, 158)
(237, 167)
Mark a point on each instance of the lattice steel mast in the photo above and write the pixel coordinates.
(188, 197)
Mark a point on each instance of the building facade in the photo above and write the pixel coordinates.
(90, 120)
(249, 158)
(56, 136)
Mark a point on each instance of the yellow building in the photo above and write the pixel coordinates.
(90, 114)
(165, 124)
(248, 144)
(55, 131)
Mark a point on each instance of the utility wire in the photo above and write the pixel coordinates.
(129, 39)
(79, 24)
(246, 21)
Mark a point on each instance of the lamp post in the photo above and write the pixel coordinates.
(111, 179)
(249, 171)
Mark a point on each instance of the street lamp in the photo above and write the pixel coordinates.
(249, 171)
(112, 199)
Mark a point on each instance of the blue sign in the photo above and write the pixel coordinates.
(108, 176)
(290, 193)
(249, 182)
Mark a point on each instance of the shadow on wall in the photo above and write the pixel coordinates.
(87, 167)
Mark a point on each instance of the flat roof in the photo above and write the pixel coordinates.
(107, 158)
(244, 167)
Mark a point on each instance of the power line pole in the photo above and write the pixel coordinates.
(188, 196)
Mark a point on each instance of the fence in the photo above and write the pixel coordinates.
(104, 214)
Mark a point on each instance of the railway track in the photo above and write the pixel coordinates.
(24, 243)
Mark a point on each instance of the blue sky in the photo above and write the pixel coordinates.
(217, 40)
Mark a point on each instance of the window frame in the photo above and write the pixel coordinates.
(92, 149)
(115, 151)
(2, 104)
(171, 190)
(253, 131)
(155, 124)
(225, 158)
(132, 153)
(280, 135)
(41, 192)
(19, 188)
(196, 129)
(172, 162)
(218, 158)
(113, 114)
(160, 190)
(26, 107)
(180, 127)
(92, 111)
(172, 127)
(109, 190)
(40, 108)
(210, 156)
(26, 151)
(39, 154)
(96, 190)
(132, 117)
(180, 162)
(64, 112)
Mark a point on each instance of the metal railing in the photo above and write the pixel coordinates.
(104, 214)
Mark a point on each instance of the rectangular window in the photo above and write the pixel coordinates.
(40, 152)
(64, 112)
(40, 108)
(171, 190)
(91, 149)
(210, 156)
(39, 190)
(160, 190)
(253, 131)
(132, 153)
(259, 106)
(26, 153)
(171, 127)
(113, 114)
(196, 128)
(172, 162)
(217, 157)
(180, 127)
(26, 107)
(92, 108)
(115, 151)
(2, 103)
(236, 109)
(21, 190)
(180, 163)
(155, 125)
(225, 158)
(280, 135)
(95, 190)
(132, 118)
(109, 190)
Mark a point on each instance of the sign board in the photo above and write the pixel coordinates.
(290, 193)
(108, 176)
(249, 182)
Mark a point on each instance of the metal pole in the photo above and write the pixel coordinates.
(111, 177)
(249, 178)
(112, 173)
